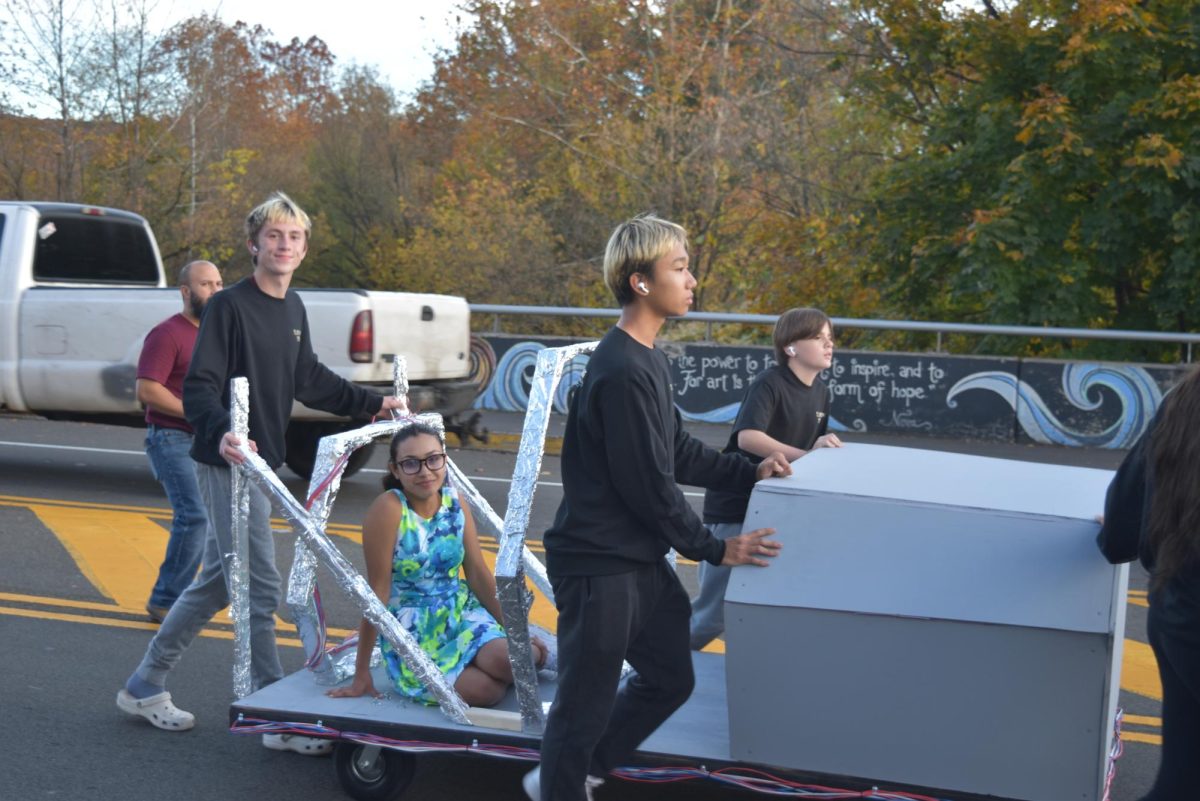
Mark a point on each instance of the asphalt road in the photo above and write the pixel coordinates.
(81, 518)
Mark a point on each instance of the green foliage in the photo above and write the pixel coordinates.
(1007, 161)
(1053, 178)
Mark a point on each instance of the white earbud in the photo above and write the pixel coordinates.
(642, 286)
(254, 248)
(790, 350)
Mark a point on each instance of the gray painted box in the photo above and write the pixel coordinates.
(934, 619)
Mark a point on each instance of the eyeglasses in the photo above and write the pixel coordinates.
(412, 465)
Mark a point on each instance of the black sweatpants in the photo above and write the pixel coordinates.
(641, 616)
(1174, 634)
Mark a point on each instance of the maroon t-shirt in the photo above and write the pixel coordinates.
(166, 354)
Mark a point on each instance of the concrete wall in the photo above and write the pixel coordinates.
(1079, 404)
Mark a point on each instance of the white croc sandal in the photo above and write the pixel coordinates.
(157, 709)
(309, 746)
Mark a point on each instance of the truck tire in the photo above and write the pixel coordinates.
(302, 439)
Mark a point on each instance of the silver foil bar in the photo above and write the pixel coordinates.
(512, 561)
(486, 518)
(323, 489)
(356, 587)
(400, 383)
(237, 562)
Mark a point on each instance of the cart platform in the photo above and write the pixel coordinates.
(698, 732)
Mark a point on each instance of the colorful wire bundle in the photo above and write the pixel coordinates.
(745, 778)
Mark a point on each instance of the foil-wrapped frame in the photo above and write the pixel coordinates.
(514, 561)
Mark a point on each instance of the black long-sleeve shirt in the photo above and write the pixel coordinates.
(624, 449)
(246, 332)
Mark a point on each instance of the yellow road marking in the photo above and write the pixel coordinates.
(542, 613)
(1142, 720)
(1139, 737)
(118, 552)
(17, 500)
(118, 549)
(66, 602)
(1139, 670)
(219, 619)
(37, 614)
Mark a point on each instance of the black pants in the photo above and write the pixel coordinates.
(642, 617)
(1174, 634)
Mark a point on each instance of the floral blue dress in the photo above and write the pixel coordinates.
(429, 599)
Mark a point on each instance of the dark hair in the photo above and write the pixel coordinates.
(390, 482)
(796, 324)
(1173, 529)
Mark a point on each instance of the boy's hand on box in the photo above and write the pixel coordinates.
(751, 548)
(775, 465)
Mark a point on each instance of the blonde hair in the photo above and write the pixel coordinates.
(634, 247)
(277, 208)
(796, 324)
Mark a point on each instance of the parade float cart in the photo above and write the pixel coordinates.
(937, 622)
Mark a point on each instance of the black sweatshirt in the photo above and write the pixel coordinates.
(624, 449)
(246, 332)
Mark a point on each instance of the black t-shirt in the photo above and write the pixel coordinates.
(784, 408)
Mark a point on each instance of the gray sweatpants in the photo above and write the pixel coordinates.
(209, 593)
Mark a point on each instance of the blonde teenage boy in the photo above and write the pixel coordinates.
(257, 328)
(624, 449)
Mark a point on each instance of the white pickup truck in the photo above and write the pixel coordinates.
(80, 287)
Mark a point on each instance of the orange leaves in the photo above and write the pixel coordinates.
(1049, 120)
(1154, 151)
(1096, 22)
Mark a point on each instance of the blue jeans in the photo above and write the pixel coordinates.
(168, 449)
(209, 593)
(708, 608)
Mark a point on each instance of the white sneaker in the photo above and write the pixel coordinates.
(309, 746)
(591, 783)
(532, 784)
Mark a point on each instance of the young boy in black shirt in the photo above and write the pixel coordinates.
(618, 599)
(258, 328)
(786, 410)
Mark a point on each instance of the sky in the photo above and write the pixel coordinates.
(399, 38)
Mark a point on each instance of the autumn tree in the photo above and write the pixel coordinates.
(608, 109)
(1045, 164)
(362, 172)
(44, 53)
(129, 112)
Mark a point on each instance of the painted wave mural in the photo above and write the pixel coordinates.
(1136, 390)
(508, 390)
(1073, 404)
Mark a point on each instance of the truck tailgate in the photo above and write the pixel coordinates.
(432, 331)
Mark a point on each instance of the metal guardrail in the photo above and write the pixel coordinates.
(937, 328)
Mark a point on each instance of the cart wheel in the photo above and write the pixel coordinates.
(371, 773)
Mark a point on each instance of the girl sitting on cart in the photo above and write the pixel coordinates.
(415, 537)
